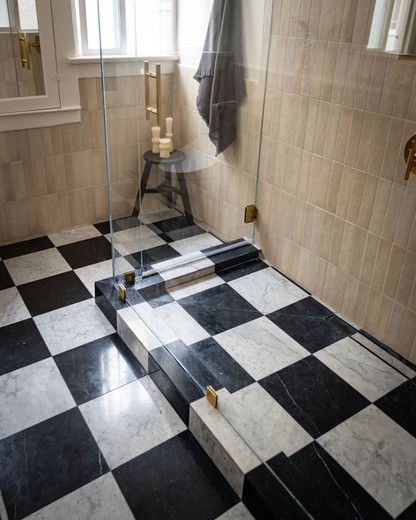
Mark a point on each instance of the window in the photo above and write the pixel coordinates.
(128, 27)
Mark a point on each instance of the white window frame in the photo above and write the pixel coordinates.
(69, 109)
(51, 98)
(121, 30)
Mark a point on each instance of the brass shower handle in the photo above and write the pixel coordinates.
(410, 156)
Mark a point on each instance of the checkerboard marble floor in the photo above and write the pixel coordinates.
(330, 412)
(84, 431)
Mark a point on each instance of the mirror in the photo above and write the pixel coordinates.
(393, 27)
(21, 72)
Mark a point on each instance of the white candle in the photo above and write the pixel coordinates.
(169, 131)
(155, 138)
(164, 147)
(169, 125)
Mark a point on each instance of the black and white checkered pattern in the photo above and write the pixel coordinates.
(85, 432)
(331, 412)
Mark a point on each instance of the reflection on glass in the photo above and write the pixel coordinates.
(393, 27)
(20, 50)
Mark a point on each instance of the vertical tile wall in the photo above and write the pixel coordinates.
(54, 177)
(335, 212)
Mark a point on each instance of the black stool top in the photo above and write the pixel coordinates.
(176, 156)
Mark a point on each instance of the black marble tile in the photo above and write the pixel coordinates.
(223, 366)
(267, 498)
(232, 257)
(176, 228)
(304, 322)
(155, 295)
(175, 480)
(185, 232)
(169, 390)
(323, 487)
(306, 308)
(86, 252)
(103, 227)
(192, 365)
(5, 278)
(185, 385)
(315, 396)
(400, 405)
(98, 367)
(219, 308)
(152, 256)
(121, 224)
(54, 292)
(25, 247)
(232, 273)
(47, 461)
(21, 344)
(342, 325)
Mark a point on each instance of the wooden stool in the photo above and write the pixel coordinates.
(170, 166)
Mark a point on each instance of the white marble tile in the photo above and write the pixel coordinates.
(34, 266)
(100, 499)
(361, 369)
(378, 454)
(148, 217)
(30, 395)
(232, 456)
(388, 358)
(260, 420)
(267, 290)
(170, 323)
(95, 272)
(76, 234)
(136, 335)
(135, 239)
(238, 512)
(195, 243)
(195, 286)
(12, 307)
(72, 326)
(261, 347)
(131, 420)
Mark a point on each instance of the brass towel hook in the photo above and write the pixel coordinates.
(410, 156)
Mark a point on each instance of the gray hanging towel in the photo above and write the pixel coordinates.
(221, 73)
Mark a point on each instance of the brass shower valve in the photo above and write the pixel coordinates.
(410, 156)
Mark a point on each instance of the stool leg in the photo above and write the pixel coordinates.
(142, 189)
(168, 179)
(185, 198)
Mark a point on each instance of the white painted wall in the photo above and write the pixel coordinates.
(193, 18)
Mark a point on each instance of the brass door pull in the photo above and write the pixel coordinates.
(410, 157)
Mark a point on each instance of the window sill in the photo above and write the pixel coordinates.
(39, 118)
(80, 60)
(89, 66)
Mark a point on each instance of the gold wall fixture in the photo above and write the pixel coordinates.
(410, 157)
(129, 277)
(25, 48)
(122, 292)
(157, 76)
(250, 213)
(212, 397)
